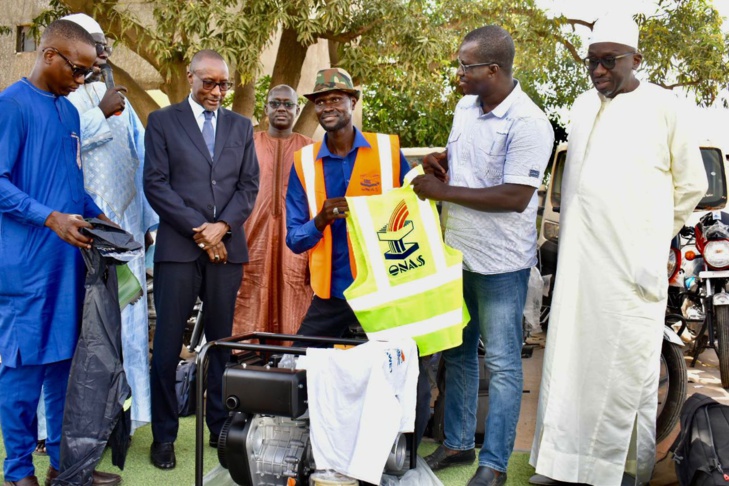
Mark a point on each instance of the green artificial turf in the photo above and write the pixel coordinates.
(140, 472)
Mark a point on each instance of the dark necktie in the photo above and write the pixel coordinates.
(208, 133)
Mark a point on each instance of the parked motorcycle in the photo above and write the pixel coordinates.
(673, 377)
(706, 298)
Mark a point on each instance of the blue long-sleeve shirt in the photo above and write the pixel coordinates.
(41, 276)
(301, 232)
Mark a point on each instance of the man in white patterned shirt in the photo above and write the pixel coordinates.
(112, 149)
(487, 178)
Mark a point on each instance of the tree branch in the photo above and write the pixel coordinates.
(345, 37)
(571, 48)
(143, 103)
(678, 85)
(584, 23)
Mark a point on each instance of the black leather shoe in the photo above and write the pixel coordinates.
(487, 477)
(213, 441)
(440, 459)
(99, 478)
(163, 455)
(26, 481)
(541, 480)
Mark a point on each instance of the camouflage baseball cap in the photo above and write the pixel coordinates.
(333, 79)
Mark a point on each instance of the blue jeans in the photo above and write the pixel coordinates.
(496, 304)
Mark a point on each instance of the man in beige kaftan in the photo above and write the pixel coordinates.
(633, 175)
(275, 291)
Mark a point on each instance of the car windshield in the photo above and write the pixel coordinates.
(715, 197)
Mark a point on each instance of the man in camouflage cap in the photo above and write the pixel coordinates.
(333, 79)
(351, 165)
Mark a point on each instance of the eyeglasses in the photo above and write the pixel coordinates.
(76, 71)
(608, 62)
(333, 101)
(209, 85)
(275, 104)
(465, 67)
(101, 48)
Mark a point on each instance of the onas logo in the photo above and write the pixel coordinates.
(370, 181)
(394, 233)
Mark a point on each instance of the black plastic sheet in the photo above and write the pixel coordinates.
(95, 413)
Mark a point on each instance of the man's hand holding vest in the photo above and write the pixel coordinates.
(429, 186)
(334, 208)
(437, 164)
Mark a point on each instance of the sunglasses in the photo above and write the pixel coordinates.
(76, 71)
(608, 62)
(209, 85)
(275, 104)
(101, 48)
(466, 67)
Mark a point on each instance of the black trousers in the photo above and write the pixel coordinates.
(331, 318)
(176, 287)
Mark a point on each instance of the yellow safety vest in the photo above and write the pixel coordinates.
(408, 283)
(376, 170)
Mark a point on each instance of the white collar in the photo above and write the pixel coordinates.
(198, 109)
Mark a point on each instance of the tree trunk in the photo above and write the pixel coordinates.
(141, 101)
(176, 86)
(244, 97)
(307, 122)
(333, 48)
(262, 124)
(289, 60)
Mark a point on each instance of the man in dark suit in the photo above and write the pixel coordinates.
(201, 177)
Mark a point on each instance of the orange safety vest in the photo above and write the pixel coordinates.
(376, 171)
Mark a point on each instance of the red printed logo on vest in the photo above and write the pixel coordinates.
(370, 182)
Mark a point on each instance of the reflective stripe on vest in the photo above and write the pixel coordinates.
(409, 284)
(376, 171)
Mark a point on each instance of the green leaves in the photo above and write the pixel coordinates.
(683, 46)
(403, 51)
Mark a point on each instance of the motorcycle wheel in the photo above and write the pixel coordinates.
(722, 345)
(671, 389)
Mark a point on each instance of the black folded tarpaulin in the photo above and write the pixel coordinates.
(97, 387)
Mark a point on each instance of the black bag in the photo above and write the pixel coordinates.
(701, 451)
(185, 387)
(437, 430)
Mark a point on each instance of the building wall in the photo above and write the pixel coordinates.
(16, 65)
(12, 14)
